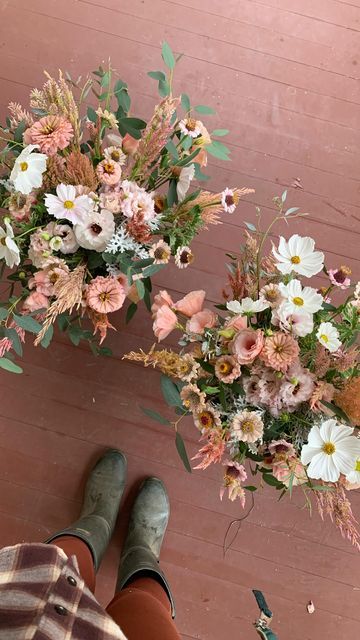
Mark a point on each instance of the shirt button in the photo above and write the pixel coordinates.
(60, 610)
(71, 581)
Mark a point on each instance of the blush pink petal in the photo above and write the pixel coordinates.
(191, 303)
(200, 321)
(34, 302)
(247, 345)
(165, 322)
(162, 298)
(237, 322)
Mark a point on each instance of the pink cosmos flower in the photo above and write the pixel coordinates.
(235, 474)
(105, 294)
(162, 298)
(108, 172)
(280, 351)
(200, 321)
(34, 302)
(165, 321)
(340, 277)
(247, 345)
(191, 303)
(51, 133)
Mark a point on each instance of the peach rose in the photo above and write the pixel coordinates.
(191, 303)
(247, 345)
(165, 322)
(200, 321)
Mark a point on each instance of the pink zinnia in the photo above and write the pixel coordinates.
(105, 295)
(227, 369)
(108, 172)
(247, 426)
(165, 321)
(247, 345)
(51, 133)
(280, 351)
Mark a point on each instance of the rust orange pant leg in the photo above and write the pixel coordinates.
(75, 547)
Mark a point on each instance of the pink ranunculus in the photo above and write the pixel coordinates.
(200, 321)
(162, 298)
(247, 345)
(191, 303)
(35, 301)
(236, 322)
(165, 321)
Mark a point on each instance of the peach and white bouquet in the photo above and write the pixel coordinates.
(95, 201)
(274, 377)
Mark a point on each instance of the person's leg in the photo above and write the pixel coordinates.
(143, 610)
(76, 547)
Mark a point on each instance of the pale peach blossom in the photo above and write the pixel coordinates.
(280, 351)
(162, 298)
(165, 321)
(108, 172)
(293, 469)
(130, 145)
(227, 369)
(34, 302)
(191, 303)
(105, 295)
(236, 322)
(200, 321)
(247, 345)
(51, 133)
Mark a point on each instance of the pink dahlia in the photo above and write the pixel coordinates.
(227, 369)
(51, 133)
(280, 351)
(235, 474)
(105, 294)
(247, 345)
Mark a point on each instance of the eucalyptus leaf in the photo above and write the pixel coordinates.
(45, 342)
(168, 56)
(220, 132)
(9, 365)
(140, 288)
(335, 409)
(154, 415)
(170, 392)
(12, 334)
(157, 75)
(185, 102)
(180, 445)
(218, 150)
(27, 323)
(202, 108)
(131, 310)
(250, 226)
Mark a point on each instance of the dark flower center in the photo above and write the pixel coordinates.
(95, 228)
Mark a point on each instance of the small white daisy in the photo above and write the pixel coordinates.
(67, 205)
(247, 305)
(27, 171)
(183, 257)
(9, 251)
(299, 299)
(190, 127)
(328, 336)
(297, 254)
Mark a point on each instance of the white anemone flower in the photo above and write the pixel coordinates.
(328, 336)
(66, 205)
(299, 299)
(299, 324)
(27, 171)
(247, 305)
(9, 251)
(183, 184)
(96, 231)
(330, 451)
(354, 476)
(297, 254)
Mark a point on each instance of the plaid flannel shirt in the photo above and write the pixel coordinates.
(43, 597)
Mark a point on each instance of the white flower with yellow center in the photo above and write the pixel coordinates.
(354, 476)
(67, 205)
(247, 305)
(9, 251)
(298, 255)
(299, 299)
(27, 171)
(328, 336)
(330, 451)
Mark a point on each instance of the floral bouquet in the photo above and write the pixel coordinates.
(95, 201)
(274, 377)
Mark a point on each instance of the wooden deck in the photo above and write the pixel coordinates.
(284, 77)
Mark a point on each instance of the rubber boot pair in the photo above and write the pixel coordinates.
(147, 526)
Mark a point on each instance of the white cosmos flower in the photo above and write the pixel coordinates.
(297, 254)
(67, 205)
(185, 177)
(96, 231)
(247, 305)
(9, 251)
(328, 336)
(299, 299)
(331, 450)
(27, 171)
(354, 476)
